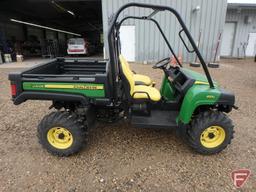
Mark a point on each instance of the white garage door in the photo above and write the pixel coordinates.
(251, 47)
(127, 38)
(228, 39)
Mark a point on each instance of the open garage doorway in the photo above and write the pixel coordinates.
(45, 28)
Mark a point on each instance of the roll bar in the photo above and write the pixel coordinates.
(113, 34)
(158, 27)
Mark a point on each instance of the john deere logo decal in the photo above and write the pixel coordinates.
(37, 86)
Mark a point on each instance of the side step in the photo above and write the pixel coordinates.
(157, 119)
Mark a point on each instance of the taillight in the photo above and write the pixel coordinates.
(14, 90)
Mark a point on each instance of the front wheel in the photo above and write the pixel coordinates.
(210, 132)
(61, 133)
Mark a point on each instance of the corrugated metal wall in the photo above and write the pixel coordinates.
(242, 29)
(150, 45)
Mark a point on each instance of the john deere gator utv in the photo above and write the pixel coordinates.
(84, 91)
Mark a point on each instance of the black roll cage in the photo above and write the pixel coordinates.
(113, 39)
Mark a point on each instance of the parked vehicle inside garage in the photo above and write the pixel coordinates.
(77, 46)
(80, 46)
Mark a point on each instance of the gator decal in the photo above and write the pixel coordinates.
(87, 89)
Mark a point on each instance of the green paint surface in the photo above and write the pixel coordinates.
(166, 90)
(86, 89)
(196, 96)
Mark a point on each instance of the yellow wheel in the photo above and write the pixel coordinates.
(60, 137)
(213, 136)
(62, 133)
(210, 132)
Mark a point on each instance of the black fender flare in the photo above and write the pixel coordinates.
(226, 99)
(35, 95)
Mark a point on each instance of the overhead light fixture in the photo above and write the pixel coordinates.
(44, 27)
(62, 8)
(70, 12)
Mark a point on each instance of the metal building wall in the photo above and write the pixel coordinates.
(150, 45)
(242, 29)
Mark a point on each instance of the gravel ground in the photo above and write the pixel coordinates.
(121, 158)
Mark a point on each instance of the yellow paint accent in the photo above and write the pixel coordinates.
(60, 137)
(201, 83)
(59, 86)
(212, 137)
(90, 87)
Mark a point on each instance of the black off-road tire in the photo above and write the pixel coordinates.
(69, 121)
(202, 122)
(213, 65)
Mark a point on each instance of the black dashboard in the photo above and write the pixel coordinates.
(179, 80)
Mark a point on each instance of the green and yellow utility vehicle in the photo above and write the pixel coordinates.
(84, 91)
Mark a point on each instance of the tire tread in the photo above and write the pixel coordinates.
(68, 120)
(204, 120)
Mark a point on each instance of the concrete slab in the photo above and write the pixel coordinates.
(25, 64)
(35, 61)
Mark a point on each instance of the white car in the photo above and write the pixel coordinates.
(77, 46)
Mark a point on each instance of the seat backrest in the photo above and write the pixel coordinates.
(126, 63)
(127, 74)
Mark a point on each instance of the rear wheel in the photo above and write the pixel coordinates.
(62, 133)
(210, 132)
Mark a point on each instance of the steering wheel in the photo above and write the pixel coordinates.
(162, 64)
